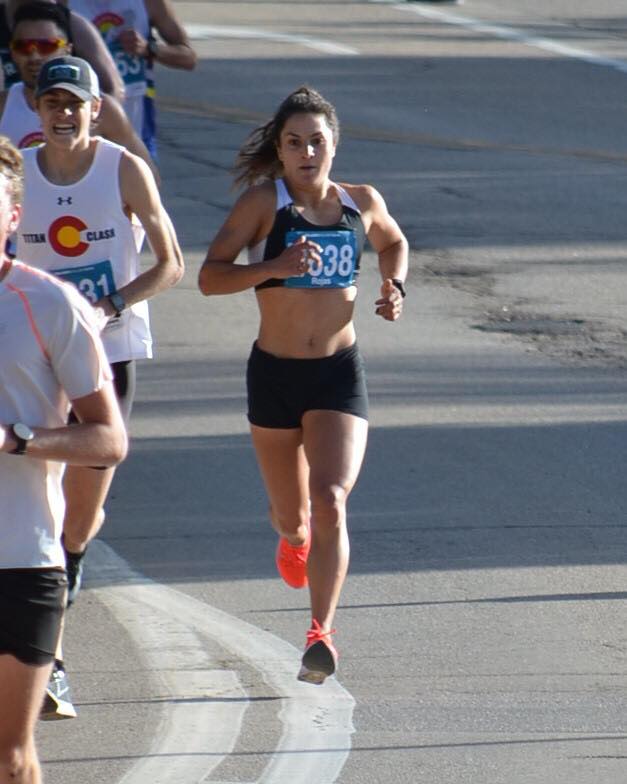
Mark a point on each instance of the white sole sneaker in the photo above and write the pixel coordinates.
(57, 702)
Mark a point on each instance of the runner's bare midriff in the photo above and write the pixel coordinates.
(304, 324)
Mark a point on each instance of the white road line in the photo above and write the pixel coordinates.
(200, 32)
(511, 34)
(195, 734)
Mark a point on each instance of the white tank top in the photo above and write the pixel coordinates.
(80, 233)
(19, 122)
(111, 17)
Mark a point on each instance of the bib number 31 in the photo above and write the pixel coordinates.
(94, 281)
(337, 269)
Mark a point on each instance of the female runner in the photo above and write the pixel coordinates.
(307, 399)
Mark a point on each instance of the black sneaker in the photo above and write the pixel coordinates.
(57, 702)
(74, 568)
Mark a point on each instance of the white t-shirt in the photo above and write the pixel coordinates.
(50, 353)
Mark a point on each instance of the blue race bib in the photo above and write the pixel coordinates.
(339, 256)
(94, 281)
(130, 67)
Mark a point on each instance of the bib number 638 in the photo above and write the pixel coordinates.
(338, 257)
(335, 260)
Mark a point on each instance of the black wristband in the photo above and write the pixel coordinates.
(400, 286)
(117, 302)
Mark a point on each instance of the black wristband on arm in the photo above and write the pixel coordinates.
(400, 286)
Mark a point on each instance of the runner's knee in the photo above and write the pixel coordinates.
(17, 762)
(328, 504)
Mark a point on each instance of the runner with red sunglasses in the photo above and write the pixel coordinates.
(83, 36)
(41, 33)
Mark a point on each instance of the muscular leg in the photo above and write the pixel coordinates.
(85, 491)
(284, 470)
(334, 445)
(23, 687)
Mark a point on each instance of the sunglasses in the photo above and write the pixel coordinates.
(42, 46)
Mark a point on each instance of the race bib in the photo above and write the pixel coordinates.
(339, 255)
(130, 67)
(94, 281)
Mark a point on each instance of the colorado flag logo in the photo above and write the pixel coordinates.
(64, 235)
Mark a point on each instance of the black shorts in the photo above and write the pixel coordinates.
(124, 382)
(280, 390)
(32, 602)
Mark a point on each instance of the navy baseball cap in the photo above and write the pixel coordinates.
(68, 73)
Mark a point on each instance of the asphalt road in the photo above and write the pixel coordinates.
(481, 631)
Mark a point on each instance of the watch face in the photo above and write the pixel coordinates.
(23, 431)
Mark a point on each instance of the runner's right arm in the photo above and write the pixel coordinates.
(249, 221)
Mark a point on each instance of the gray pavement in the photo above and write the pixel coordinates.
(481, 630)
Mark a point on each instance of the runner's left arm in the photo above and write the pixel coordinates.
(173, 50)
(390, 244)
(141, 197)
(99, 438)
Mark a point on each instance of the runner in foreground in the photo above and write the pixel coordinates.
(307, 399)
(51, 354)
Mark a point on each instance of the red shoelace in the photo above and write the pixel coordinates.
(316, 633)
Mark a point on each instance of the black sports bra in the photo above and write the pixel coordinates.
(342, 244)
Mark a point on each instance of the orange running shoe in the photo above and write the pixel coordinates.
(292, 562)
(320, 657)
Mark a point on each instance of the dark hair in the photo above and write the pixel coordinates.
(258, 159)
(12, 169)
(40, 11)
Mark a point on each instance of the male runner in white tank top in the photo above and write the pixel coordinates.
(87, 204)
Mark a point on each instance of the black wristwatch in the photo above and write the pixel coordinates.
(22, 434)
(400, 286)
(116, 300)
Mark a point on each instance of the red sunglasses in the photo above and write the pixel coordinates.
(42, 46)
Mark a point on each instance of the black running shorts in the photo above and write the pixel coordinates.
(280, 390)
(32, 602)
